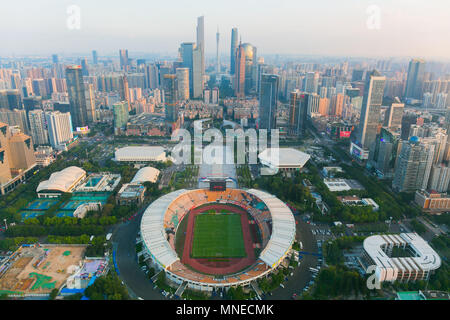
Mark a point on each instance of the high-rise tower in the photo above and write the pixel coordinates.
(77, 98)
(234, 45)
(370, 113)
(217, 50)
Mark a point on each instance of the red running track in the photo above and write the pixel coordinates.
(229, 265)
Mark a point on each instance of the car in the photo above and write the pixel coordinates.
(281, 285)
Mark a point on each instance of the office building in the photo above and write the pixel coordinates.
(394, 115)
(84, 67)
(38, 128)
(298, 109)
(217, 51)
(239, 73)
(60, 130)
(370, 113)
(268, 101)
(124, 63)
(90, 103)
(415, 78)
(15, 117)
(234, 45)
(439, 178)
(413, 166)
(94, 57)
(311, 82)
(183, 83)
(201, 46)
(120, 114)
(77, 98)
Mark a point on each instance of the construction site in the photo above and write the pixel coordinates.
(38, 269)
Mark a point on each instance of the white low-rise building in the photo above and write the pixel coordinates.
(61, 181)
(286, 159)
(141, 154)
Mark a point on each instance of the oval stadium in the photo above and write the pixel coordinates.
(209, 240)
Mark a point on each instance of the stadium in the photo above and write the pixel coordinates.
(216, 238)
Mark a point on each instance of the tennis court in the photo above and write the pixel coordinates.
(41, 204)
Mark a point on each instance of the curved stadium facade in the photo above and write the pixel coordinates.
(170, 230)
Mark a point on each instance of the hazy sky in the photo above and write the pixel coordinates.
(418, 28)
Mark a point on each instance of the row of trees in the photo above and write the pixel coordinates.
(59, 230)
(107, 288)
(12, 243)
(338, 282)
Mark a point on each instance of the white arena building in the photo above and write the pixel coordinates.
(422, 260)
(276, 240)
(61, 181)
(283, 158)
(146, 174)
(141, 154)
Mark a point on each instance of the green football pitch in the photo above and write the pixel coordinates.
(218, 236)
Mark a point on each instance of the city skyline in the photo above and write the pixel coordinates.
(147, 30)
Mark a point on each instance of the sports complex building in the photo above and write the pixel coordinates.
(210, 239)
(404, 257)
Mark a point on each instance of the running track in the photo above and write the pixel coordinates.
(233, 265)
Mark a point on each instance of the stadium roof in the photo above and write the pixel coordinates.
(283, 157)
(425, 258)
(152, 229)
(64, 180)
(154, 238)
(283, 228)
(146, 174)
(140, 153)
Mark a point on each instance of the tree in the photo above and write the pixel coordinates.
(53, 294)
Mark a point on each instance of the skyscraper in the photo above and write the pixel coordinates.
(120, 114)
(183, 83)
(171, 101)
(414, 81)
(268, 100)
(298, 107)
(77, 98)
(250, 61)
(370, 113)
(191, 55)
(59, 128)
(84, 67)
(239, 74)
(311, 82)
(234, 45)
(413, 166)
(393, 118)
(124, 63)
(217, 50)
(55, 58)
(90, 103)
(37, 127)
(15, 117)
(197, 77)
(94, 57)
(201, 44)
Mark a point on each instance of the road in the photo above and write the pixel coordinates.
(302, 275)
(130, 273)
